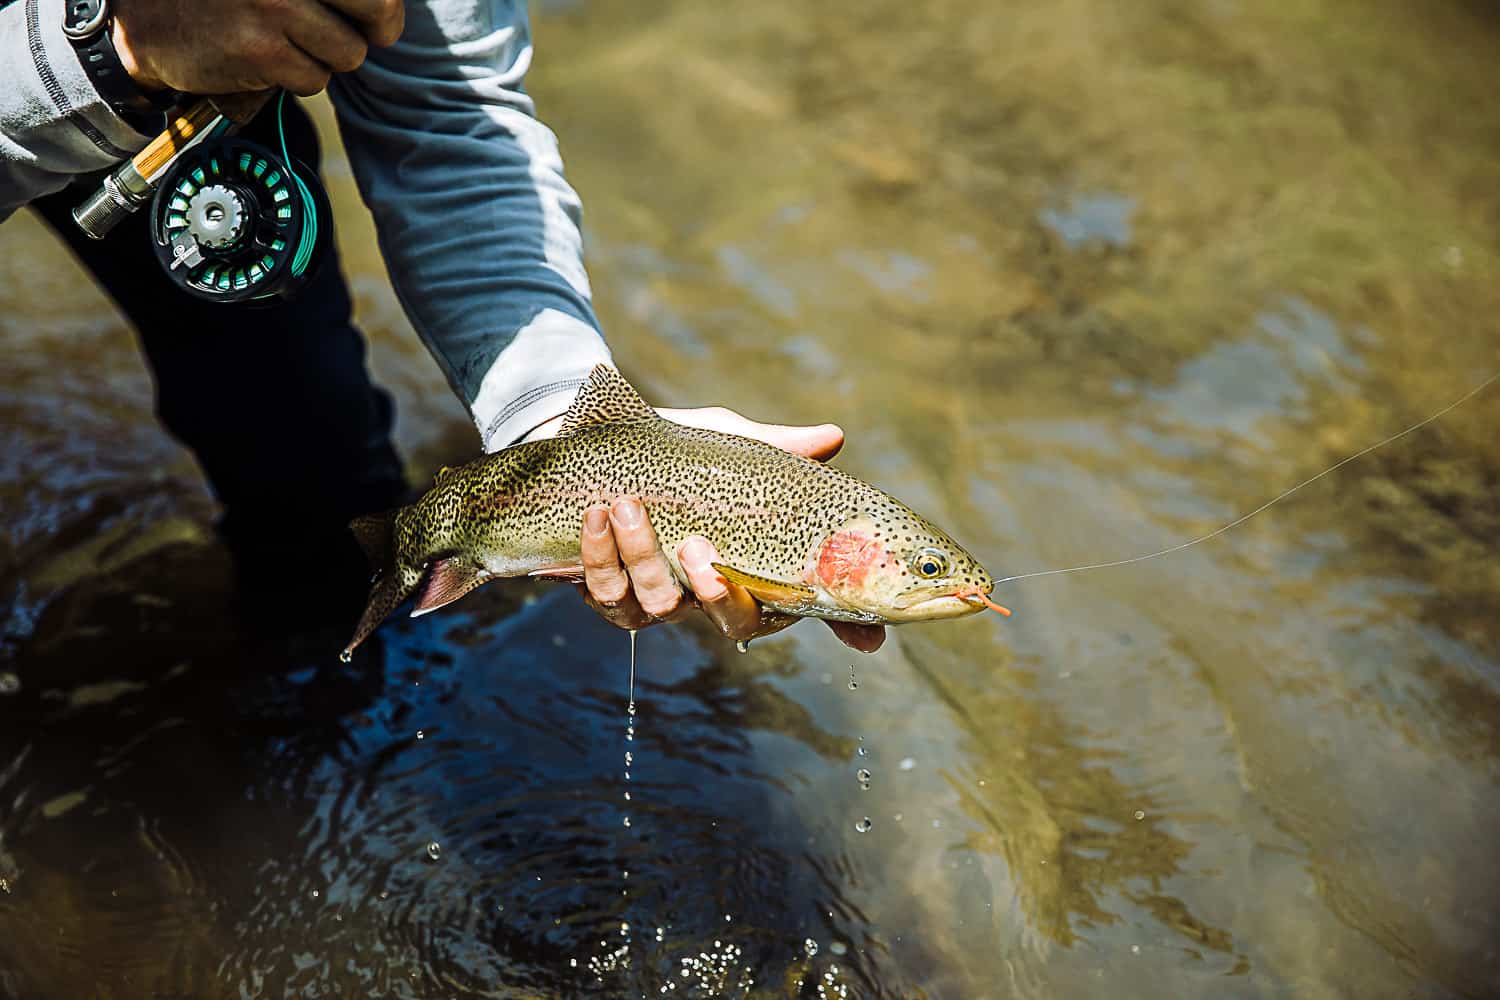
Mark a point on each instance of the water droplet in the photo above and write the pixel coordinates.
(853, 685)
(9, 683)
(1140, 814)
(810, 946)
(1135, 949)
(863, 826)
(627, 796)
(345, 656)
(434, 850)
(572, 963)
(315, 894)
(421, 735)
(627, 821)
(727, 919)
(629, 757)
(743, 647)
(907, 763)
(630, 708)
(864, 775)
(838, 947)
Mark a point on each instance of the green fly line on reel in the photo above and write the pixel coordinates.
(236, 222)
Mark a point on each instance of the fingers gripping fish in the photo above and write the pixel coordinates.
(803, 537)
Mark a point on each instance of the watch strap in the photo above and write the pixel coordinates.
(88, 24)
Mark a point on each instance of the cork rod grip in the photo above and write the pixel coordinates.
(179, 131)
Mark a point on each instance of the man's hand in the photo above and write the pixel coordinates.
(628, 580)
(209, 47)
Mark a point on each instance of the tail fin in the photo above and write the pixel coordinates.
(391, 588)
(393, 582)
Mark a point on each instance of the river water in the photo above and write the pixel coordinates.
(1081, 280)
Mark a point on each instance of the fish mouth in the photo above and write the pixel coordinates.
(933, 607)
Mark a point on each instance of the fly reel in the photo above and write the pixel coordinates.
(234, 222)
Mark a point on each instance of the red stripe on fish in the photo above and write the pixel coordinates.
(846, 558)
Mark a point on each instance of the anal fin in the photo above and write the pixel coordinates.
(447, 580)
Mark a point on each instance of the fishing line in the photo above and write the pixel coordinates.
(1269, 503)
(309, 235)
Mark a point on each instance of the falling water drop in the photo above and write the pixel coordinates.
(345, 656)
(863, 826)
(864, 776)
(434, 850)
(743, 646)
(853, 684)
(810, 946)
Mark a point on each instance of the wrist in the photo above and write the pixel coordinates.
(135, 67)
(90, 27)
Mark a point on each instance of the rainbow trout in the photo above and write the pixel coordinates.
(801, 536)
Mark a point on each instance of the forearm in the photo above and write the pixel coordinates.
(53, 123)
(478, 226)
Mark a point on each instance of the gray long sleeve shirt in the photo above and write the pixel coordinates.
(478, 226)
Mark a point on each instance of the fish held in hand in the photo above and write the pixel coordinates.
(803, 537)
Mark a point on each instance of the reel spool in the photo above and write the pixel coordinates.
(234, 222)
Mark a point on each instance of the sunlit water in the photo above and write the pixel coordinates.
(1080, 281)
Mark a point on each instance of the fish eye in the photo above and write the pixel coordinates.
(930, 564)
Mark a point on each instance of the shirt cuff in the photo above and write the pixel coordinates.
(536, 377)
(103, 136)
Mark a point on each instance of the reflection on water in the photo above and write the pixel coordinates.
(1082, 282)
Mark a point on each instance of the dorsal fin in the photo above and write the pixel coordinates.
(606, 398)
(373, 532)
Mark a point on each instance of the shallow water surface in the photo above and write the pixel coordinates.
(1081, 281)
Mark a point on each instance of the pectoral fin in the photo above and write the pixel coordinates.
(447, 580)
(768, 591)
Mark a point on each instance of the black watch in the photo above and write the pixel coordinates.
(88, 24)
